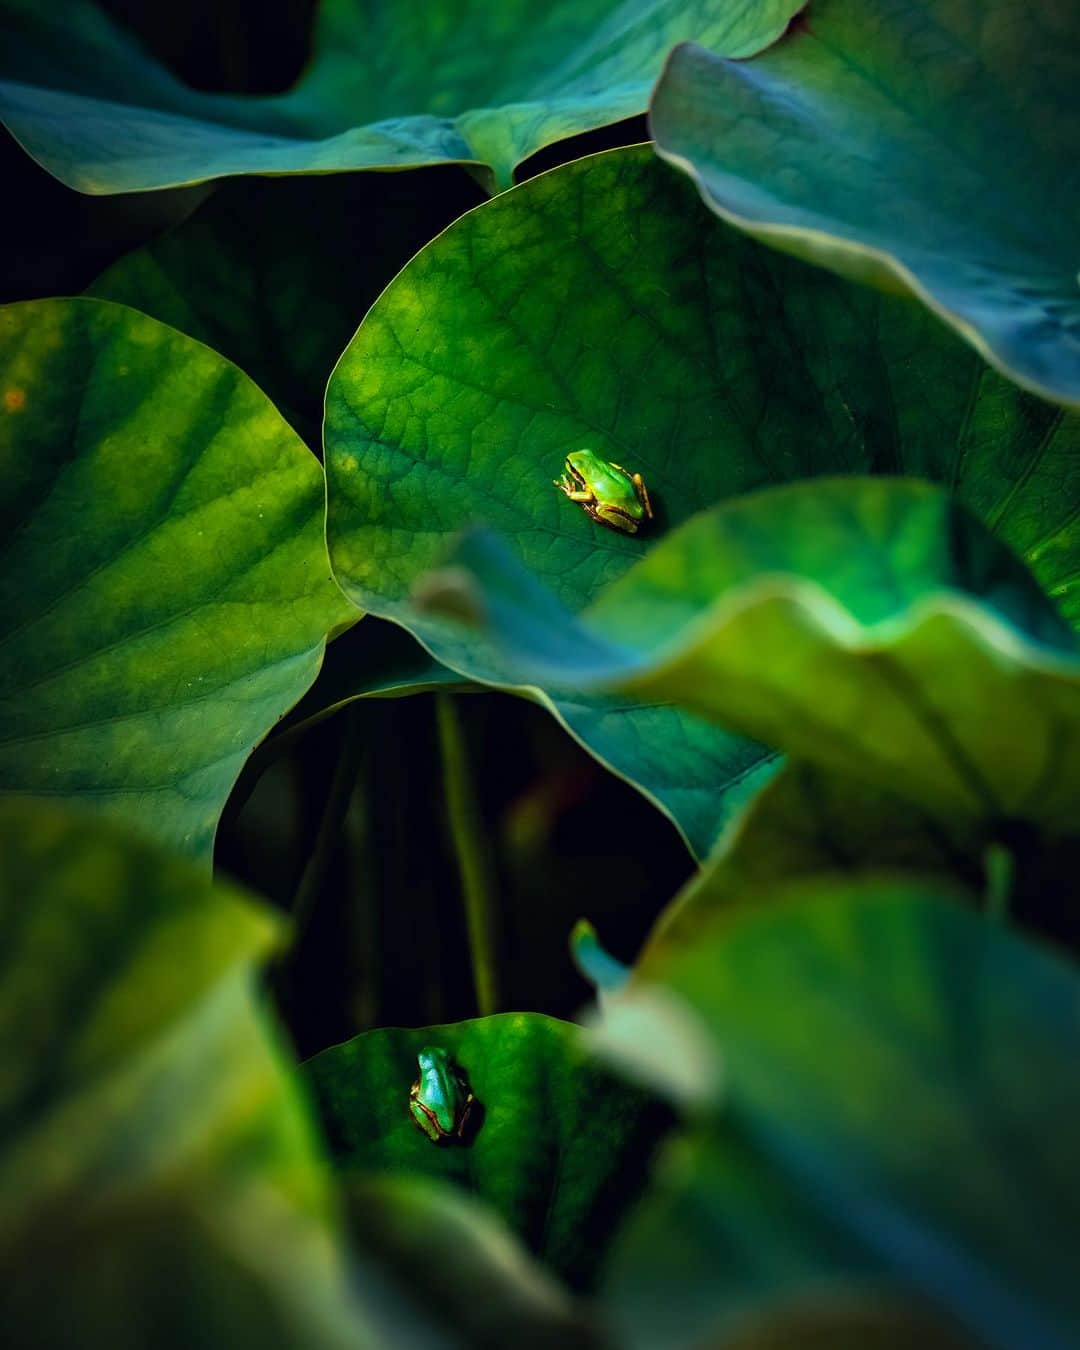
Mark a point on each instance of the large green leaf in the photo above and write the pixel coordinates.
(155, 1156)
(868, 626)
(601, 305)
(275, 274)
(165, 592)
(269, 274)
(896, 1075)
(925, 144)
(561, 1147)
(388, 87)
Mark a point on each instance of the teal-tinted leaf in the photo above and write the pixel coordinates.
(928, 145)
(559, 1147)
(867, 626)
(896, 1074)
(388, 87)
(165, 592)
(600, 305)
(275, 274)
(151, 1139)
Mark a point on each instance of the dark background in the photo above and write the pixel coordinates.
(386, 943)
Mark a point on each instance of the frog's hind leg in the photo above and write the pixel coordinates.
(639, 487)
(643, 493)
(466, 1116)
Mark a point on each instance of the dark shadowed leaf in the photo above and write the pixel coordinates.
(275, 275)
(808, 822)
(372, 660)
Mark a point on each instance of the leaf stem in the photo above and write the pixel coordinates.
(474, 862)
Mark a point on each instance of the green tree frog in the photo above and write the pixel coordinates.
(606, 491)
(440, 1101)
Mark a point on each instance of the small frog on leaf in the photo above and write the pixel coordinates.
(440, 1101)
(606, 491)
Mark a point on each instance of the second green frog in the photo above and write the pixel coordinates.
(440, 1101)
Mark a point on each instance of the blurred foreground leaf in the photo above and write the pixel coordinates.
(157, 1162)
(442, 1250)
(896, 1075)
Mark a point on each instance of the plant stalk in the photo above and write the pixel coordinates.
(474, 862)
